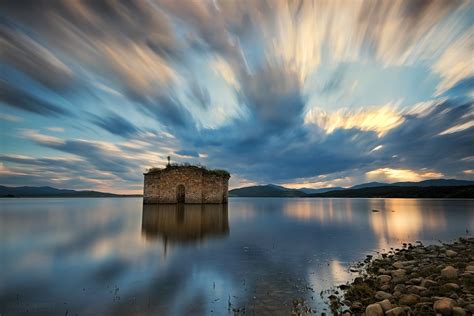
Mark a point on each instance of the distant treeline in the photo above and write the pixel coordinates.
(466, 191)
(461, 192)
(15, 192)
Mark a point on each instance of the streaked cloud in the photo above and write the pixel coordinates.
(309, 93)
(455, 64)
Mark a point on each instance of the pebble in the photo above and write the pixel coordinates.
(416, 280)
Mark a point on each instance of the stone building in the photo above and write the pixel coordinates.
(185, 184)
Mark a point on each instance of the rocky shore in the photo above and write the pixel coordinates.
(412, 280)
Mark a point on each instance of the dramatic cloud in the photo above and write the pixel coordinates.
(21, 99)
(310, 93)
(114, 124)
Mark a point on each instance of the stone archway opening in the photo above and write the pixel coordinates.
(180, 194)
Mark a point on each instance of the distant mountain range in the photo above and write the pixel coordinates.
(438, 188)
(51, 192)
(442, 188)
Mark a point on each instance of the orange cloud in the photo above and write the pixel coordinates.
(380, 119)
(393, 175)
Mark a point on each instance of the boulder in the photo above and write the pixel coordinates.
(470, 308)
(384, 279)
(409, 299)
(449, 272)
(381, 295)
(400, 288)
(398, 273)
(450, 287)
(374, 310)
(444, 306)
(428, 283)
(416, 281)
(397, 265)
(451, 253)
(416, 289)
(385, 304)
(459, 311)
(356, 307)
(397, 311)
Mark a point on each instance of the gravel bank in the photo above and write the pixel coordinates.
(413, 280)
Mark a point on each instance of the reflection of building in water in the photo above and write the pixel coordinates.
(184, 222)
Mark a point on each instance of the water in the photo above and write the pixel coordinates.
(112, 256)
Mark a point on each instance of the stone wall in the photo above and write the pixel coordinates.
(212, 189)
(151, 189)
(201, 186)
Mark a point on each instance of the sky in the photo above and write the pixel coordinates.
(298, 93)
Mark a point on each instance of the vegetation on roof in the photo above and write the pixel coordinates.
(188, 165)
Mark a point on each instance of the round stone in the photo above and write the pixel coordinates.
(385, 304)
(397, 311)
(409, 299)
(428, 283)
(444, 306)
(397, 265)
(451, 253)
(449, 272)
(459, 311)
(384, 279)
(381, 295)
(399, 273)
(450, 287)
(374, 310)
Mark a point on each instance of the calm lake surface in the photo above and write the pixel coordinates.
(114, 256)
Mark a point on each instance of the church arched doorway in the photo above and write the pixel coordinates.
(180, 194)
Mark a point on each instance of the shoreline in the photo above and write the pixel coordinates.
(412, 280)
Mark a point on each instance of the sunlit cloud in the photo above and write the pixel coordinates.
(379, 119)
(42, 138)
(393, 175)
(458, 128)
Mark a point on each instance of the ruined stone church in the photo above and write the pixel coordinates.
(185, 184)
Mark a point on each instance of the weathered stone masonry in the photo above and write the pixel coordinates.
(191, 183)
